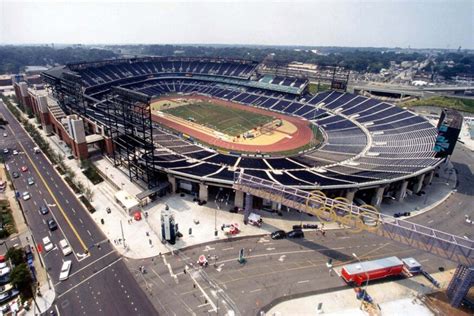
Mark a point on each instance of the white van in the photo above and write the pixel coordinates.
(255, 219)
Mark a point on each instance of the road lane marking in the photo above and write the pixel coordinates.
(159, 277)
(88, 278)
(257, 290)
(301, 282)
(203, 292)
(170, 269)
(89, 264)
(199, 306)
(230, 248)
(89, 233)
(60, 228)
(52, 195)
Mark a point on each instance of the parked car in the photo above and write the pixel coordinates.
(6, 151)
(65, 269)
(52, 224)
(43, 210)
(28, 253)
(15, 152)
(65, 248)
(24, 169)
(15, 174)
(279, 234)
(296, 234)
(31, 181)
(48, 245)
(5, 134)
(26, 196)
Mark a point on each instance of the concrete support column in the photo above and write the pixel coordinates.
(377, 197)
(239, 199)
(419, 183)
(248, 206)
(402, 192)
(276, 206)
(203, 192)
(428, 178)
(350, 193)
(172, 181)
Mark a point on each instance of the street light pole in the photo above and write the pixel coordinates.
(123, 236)
(366, 280)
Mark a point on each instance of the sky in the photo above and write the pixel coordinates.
(361, 23)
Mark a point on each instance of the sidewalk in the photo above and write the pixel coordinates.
(143, 238)
(394, 298)
(440, 189)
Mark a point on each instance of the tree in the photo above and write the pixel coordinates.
(16, 255)
(20, 278)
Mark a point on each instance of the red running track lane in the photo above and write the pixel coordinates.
(300, 138)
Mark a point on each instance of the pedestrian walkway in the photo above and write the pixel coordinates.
(197, 224)
(441, 188)
(403, 297)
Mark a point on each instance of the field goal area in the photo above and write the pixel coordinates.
(228, 120)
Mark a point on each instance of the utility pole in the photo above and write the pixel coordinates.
(123, 236)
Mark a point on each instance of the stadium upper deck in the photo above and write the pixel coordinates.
(368, 143)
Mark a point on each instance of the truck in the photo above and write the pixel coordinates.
(360, 272)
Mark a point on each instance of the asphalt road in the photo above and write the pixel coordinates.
(274, 268)
(282, 268)
(99, 283)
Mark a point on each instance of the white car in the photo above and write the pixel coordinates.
(6, 151)
(4, 271)
(65, 248)
(5, 134)
(26, 196)
(15, 152)
(48, 245)
(65, 269)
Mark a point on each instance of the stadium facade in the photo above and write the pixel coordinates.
(372, 150)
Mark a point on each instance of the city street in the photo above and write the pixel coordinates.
(99, 281)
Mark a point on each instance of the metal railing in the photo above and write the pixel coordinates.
(361, 218)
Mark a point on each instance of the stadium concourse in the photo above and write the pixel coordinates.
(371, 150)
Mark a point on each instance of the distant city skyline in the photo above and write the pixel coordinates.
(383, 23)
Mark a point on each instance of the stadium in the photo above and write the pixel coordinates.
(195, 124)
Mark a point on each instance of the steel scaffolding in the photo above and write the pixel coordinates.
(130, 125)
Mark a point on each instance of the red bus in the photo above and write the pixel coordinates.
(359, 272)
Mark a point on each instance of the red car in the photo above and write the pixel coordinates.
(24, 169)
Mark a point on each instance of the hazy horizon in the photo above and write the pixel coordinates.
(439, 24)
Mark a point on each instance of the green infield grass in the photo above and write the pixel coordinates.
(225, 119)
